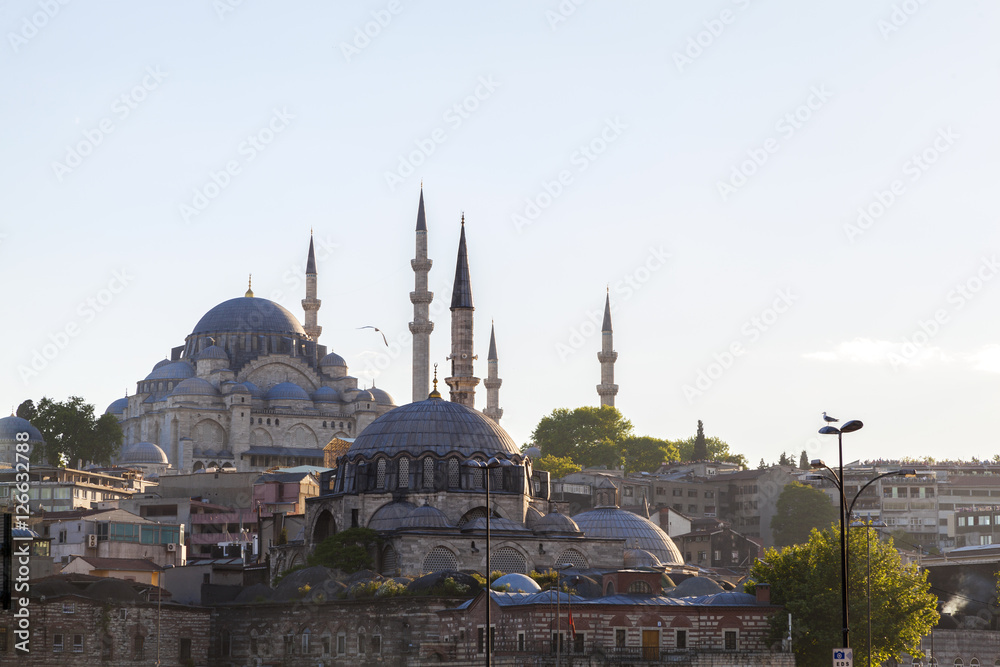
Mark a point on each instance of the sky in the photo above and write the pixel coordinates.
(791, 206)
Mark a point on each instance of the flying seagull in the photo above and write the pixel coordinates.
(386, 341)
(830, 419)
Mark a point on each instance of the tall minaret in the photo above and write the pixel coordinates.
(462, 382)
(311, 304)
(607, 356)
(421, 326)
(493, 382)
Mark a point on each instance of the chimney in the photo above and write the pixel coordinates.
(763, 593)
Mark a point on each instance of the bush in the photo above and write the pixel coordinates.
(349, 550)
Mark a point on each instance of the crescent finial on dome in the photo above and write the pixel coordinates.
(249, 287)
(434, 392)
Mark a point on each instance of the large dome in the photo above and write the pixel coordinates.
(11, 426)
(638, 532)
(248, 314)
(436, 426)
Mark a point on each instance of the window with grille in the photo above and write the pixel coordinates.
(478, 479)
(507, 560)
(341, 644)
(77, 643)
(496, 479)
(573, 556)
(730, 638)
(428, 472)
(362, 646)
(440, 558)
(404, 473)
(682, 639)
(639, 587)
(305, 641)
(620, 638)
(380, 474)
(57, 643)
(454, 478)
(390, 563)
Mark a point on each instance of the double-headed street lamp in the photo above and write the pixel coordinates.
(492, 464)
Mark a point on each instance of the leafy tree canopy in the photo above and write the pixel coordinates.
(71, 432)
(805, 579)
(348, 551)
(557, 466)
(715, 450)
(643, 453)
(803, 461)
(800, 508)
(589, 436)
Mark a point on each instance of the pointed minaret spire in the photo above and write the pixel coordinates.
(421, 326)
(493, 381)
(311, 304)
(607, 356)
(462, 381)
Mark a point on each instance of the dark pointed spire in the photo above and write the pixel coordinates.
(606, 327)
(461, 295)
(493, 344)
(421, 220)
(311, 262)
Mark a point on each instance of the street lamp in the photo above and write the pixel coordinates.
(486, 468)
(558, 569)
(829, 429)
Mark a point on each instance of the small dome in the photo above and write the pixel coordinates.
(730, 599)
(161, 363)
(381, 396)
(236, 388)
(213, 352)
(426, 517)
(174, 370)
(640, 558)
(117, 407)
(364, 395)
(254, 390)
(637, 532)
(390, 517)
(516, 583)
(326, 395)
(11, 426)
(195, 387)
(143, 453)
(288, 391)
(533, 453)
(554, 522)
(333, 359)
(531, 517)
(497, 524)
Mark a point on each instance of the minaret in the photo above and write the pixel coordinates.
(493, 382)
(607, 356)
(311, 304)
(421, 326)
(462, 382)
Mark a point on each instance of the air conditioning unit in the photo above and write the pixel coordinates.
(171, 546)
(91, 541)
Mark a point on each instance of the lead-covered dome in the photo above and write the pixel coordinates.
(248, 314)
(117, 407)
(143, 453)
(195, 387)
(11, 426)
(175, 370)
(436, 426)
(288, 391)
(638, 532)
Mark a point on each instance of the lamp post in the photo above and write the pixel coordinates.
(559, 569)
(486, 468)
(829, 429)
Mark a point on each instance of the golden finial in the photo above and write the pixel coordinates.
(463, 218)
(434, 393)
(249, 287)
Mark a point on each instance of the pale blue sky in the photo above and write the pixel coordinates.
(676, 131)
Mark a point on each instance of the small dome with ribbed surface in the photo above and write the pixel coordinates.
(554, 522)
(195, 387)
(381, 396)
(326, 395)
(390, 516)
(640, 558)
(213, 352)
(425, 517)
(333, 359)
(174, 370)
(637, 532)
(143, 453)
(286, 391)
(117, 407)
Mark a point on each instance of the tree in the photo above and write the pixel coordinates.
(27, 410)
(348, 551)
(716, 450)
(805, 579)
(803, 461)
(784, 460)
(762, 465)
(590, 436)
(557, 466)
(643, 453)
(72, 433)
(700, 450)
(800, 508)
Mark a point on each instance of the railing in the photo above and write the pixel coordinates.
(544, 653)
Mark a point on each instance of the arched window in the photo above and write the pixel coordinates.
(639, 586)
(610, 590)
(454, 478)
(380, 474)
(277, 422)
(573, 556)
(268, 421)
(974, 662)
(390, 563)
(403, 468)
(958, 662)
(507, 560)
(428, 473)
(324, 424)
(305, 641)
(439, 558)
